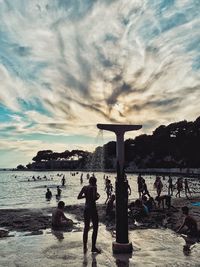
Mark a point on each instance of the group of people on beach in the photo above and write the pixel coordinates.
(138, 208)
(60, 221)
(145, 205)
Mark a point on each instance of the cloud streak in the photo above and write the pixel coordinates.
(65, 65)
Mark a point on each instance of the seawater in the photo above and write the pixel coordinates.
(19, 190)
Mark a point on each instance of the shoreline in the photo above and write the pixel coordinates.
(184, 172)
(35, 221)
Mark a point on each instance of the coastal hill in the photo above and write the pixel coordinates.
(176, 145)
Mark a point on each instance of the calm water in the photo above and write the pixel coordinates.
(17, 192)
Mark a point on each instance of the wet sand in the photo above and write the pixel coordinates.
(34, 221)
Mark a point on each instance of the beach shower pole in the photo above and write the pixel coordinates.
(122, 244)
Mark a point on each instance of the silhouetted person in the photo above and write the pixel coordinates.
(139, 210)
(59, 220)
(190, 223)
(63, 181)
(186, 187)
(170, 186)
(145, 189)
(58, 192)
(90, 194)
(142, 210)
(128, 185)
(48, 194)
(108, 189)
(150, 203)
(158, 185)
(179, 186)
(140, 184)
(81, 178)
(110, 207)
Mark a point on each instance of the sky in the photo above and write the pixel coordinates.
(66, 65)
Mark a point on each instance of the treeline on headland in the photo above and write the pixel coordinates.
(176, 145)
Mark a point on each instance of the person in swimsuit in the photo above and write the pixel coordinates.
(190, 223)
(186, 186)
(59, 220)
(170, 186)
(48, 194)
(90, 194)
(140, 184)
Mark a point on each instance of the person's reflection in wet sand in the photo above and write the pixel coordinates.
(94, 261)
(122, 260)
(189, 244)
(85, 260)
(58, 234)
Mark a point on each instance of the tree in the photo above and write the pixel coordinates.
(21, 167)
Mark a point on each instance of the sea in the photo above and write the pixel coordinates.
(26, 189)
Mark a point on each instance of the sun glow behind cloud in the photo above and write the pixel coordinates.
(67, 65)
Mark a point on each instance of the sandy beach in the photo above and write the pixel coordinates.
(27, 239)
(36, 220)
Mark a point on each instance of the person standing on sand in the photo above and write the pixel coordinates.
(140, 185)
(145, 190)
(158, 185)
(108, 189)
(186, 187)
(170, 186)
(179, 187)
(90, 194)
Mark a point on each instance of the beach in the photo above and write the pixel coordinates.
(36, 220)
(26, 233)
(30, 241)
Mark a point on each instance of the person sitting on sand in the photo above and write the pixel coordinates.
(138, 210)
(59, 220)
(48, 194)
(149, 203)
(90, 194)
(190, 223)
(110, 206)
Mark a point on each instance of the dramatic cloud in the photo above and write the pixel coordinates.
(66, 65)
